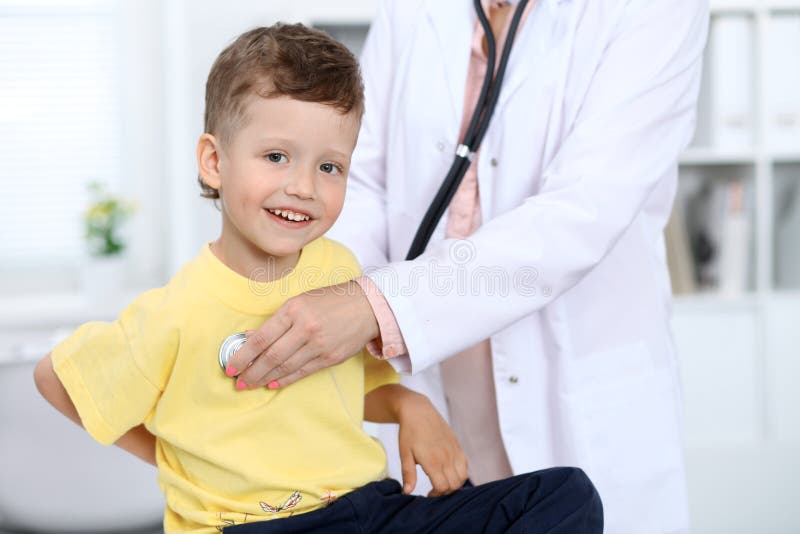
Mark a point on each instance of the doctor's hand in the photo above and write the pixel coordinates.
(309, 332)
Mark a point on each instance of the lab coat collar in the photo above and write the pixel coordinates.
(454, 25)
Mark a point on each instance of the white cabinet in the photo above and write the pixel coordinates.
(718, 362)
(782, 372)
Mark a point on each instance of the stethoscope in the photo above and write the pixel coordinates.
(478, 124)
(465, 152)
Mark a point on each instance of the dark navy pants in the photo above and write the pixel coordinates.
(561, 500)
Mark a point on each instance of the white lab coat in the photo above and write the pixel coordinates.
(577, 175)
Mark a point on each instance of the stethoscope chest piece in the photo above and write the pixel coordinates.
(229, 347)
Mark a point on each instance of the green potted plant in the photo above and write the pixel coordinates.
(103, 221)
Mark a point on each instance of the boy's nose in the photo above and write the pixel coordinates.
(301, 184)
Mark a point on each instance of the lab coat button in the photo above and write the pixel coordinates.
(440, 146)
(494, 162)
(513, 379)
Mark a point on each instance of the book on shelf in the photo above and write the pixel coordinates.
(731, 73)
(709, 238)
(734, 240)
(787, 232)
(782, 87)
(679, 252)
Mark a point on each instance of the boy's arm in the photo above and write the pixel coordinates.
(425, 438)
(137, 441)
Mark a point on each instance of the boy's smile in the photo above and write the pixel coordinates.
(281, 180)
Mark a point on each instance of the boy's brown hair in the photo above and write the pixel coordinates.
(280, 60)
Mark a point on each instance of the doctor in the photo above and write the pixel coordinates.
(537, 320)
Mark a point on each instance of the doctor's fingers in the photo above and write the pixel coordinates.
(282, 357)
(313, 362)
(258, 341)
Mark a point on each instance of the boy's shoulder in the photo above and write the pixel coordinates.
(167, 300)
(160, 304)
(337, 255)
(337, 252)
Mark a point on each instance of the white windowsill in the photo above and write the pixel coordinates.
(60, 309)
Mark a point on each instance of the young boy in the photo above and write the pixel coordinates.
(283, 110)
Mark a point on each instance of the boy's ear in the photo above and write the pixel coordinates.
(208, 160)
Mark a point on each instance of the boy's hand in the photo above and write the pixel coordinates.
(426, 439)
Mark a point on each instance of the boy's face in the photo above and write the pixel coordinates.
(289, 161)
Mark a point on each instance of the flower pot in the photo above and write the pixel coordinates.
(103, 277)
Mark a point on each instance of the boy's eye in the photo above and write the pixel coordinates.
(276, 157)
(330, 168)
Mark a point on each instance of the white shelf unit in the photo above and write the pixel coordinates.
(739, 356)
(775, 169)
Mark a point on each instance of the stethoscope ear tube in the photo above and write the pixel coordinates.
(479, 123)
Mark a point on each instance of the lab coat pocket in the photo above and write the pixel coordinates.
(628, 411)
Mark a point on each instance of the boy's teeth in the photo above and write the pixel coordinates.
(286, 214)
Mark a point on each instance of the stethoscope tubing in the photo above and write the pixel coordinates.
(478, 125)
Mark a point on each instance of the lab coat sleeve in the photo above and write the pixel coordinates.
(636, 116)
(362, 225)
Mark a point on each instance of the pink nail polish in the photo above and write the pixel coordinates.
(230, 371)
(273, 385)
(241, 385)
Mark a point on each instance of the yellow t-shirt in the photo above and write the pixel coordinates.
(226, 456)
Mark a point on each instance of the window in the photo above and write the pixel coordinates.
(64, 80)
